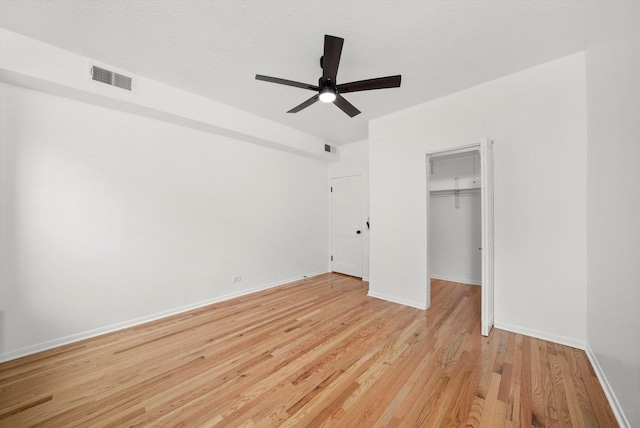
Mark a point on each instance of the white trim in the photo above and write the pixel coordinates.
(608, 391)
(551, 337)
(456, 279)
(365, 278)
(54, 343)
(487, 309)
(394, 299)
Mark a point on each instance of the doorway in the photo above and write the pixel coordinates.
(347, 225)
(460, 220)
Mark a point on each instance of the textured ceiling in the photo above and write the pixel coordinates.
(215, 47)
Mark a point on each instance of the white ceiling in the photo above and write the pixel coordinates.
(215, 47)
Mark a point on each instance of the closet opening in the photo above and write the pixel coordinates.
(460, 221)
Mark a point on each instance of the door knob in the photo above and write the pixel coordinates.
(358, 232)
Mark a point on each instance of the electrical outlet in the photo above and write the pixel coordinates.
(237, 278)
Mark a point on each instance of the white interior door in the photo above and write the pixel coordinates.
(486, 170)
(346, 225)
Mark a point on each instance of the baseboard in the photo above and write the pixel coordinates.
(393, 299)
(54, 343)
(606, 387)
(456, 279)
(562, 340)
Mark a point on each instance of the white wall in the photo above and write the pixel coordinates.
(455, 231)
(354, 160)
(109, 218)
(455, 238)
(537, 118)
(613, 213)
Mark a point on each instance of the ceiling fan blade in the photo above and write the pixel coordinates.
(369, 84)
(346, 106)
(305, 104)
(286, 82)
(331, 58)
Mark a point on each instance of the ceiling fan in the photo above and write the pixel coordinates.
(328, 89)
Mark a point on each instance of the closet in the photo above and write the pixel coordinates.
(455, 224)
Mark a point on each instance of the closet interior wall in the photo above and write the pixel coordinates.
(455, 218)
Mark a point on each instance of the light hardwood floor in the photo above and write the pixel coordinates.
(311, 353)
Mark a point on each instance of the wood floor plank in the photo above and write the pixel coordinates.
(560, 397)
(597, 398)
(317, 352)
(537, 386)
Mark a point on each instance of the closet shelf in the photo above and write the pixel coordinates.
(452, 191)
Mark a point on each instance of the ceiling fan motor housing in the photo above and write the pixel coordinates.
(325, 82)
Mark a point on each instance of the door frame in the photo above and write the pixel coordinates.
(485, 150)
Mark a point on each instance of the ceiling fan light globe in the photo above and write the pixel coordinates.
(327, 95)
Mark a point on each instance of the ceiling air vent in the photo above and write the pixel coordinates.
(112, 78)
(330, 149)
